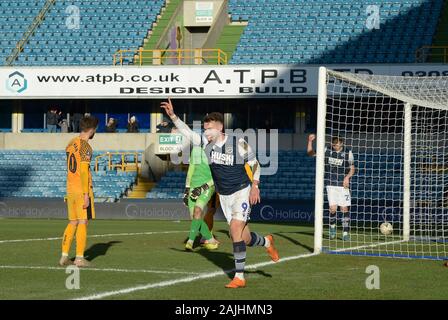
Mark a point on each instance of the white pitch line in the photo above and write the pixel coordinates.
(208, 275)
(187, 279)
(99, 269)
(93, 236)
(367, 246)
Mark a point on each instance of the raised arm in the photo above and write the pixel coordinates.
(309, 150)
(183, 128)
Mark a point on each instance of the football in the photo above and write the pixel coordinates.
(386, 228)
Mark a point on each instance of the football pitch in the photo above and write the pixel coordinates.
(146, 260)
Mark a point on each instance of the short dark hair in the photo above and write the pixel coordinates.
(336, 140)
(87, 123)
(214, 116)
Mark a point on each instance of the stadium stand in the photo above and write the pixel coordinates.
(170, 186)
(320, 31)
(15, 16)
(42, 174)
(295, 179)
(105, 27)
(284, 31)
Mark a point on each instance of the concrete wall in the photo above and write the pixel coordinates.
(152, 166)
(166, 38)
(112, 141)
(47, 141)
(218, 25)
(190, 12)
(2, 141)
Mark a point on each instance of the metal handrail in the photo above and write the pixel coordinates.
(423, 53)
(28, 33)
(124, 163)
(179, 55)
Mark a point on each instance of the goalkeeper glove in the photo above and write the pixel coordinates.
(197, 191)
(186, 194)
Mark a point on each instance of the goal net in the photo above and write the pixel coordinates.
(397, 131)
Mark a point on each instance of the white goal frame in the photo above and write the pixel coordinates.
(409, 102)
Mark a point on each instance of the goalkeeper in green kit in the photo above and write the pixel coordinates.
(199, 189)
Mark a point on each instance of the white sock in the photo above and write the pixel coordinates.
(64, 254)
(267, 243)
(239, 275)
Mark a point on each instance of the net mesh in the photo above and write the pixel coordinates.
(367, 113)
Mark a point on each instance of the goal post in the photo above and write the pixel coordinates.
(396, 129)
(320, 161)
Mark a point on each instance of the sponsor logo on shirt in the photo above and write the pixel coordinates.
(335, 161)
(222, 158)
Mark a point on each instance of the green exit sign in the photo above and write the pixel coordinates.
(170, 139)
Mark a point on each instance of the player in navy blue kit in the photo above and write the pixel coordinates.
(339, 169)
(227, 157)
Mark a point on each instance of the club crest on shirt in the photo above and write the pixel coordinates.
(229, 149)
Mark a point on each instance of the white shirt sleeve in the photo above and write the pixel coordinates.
(351, 158)
(185, 131)
(245, 151)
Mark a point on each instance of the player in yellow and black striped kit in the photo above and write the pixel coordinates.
(80, 202)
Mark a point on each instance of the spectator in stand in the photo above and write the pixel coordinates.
(111, 126)
(59, 119)
(165, 126)
(75, 119)
(133, 125)
(52, 120)
(64, 125)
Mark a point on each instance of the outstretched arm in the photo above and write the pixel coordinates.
(183, 128)
(309, 150)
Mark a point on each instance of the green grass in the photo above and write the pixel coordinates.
(158, 30)
(318, 277)
(228, 41)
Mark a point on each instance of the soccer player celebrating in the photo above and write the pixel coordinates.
(79, 192)
(199, 189)
(339, 168)
(214, 204)
(236, 192)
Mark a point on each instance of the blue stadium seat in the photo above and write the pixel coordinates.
(24, 178)
(113, 25)
(408, 24)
